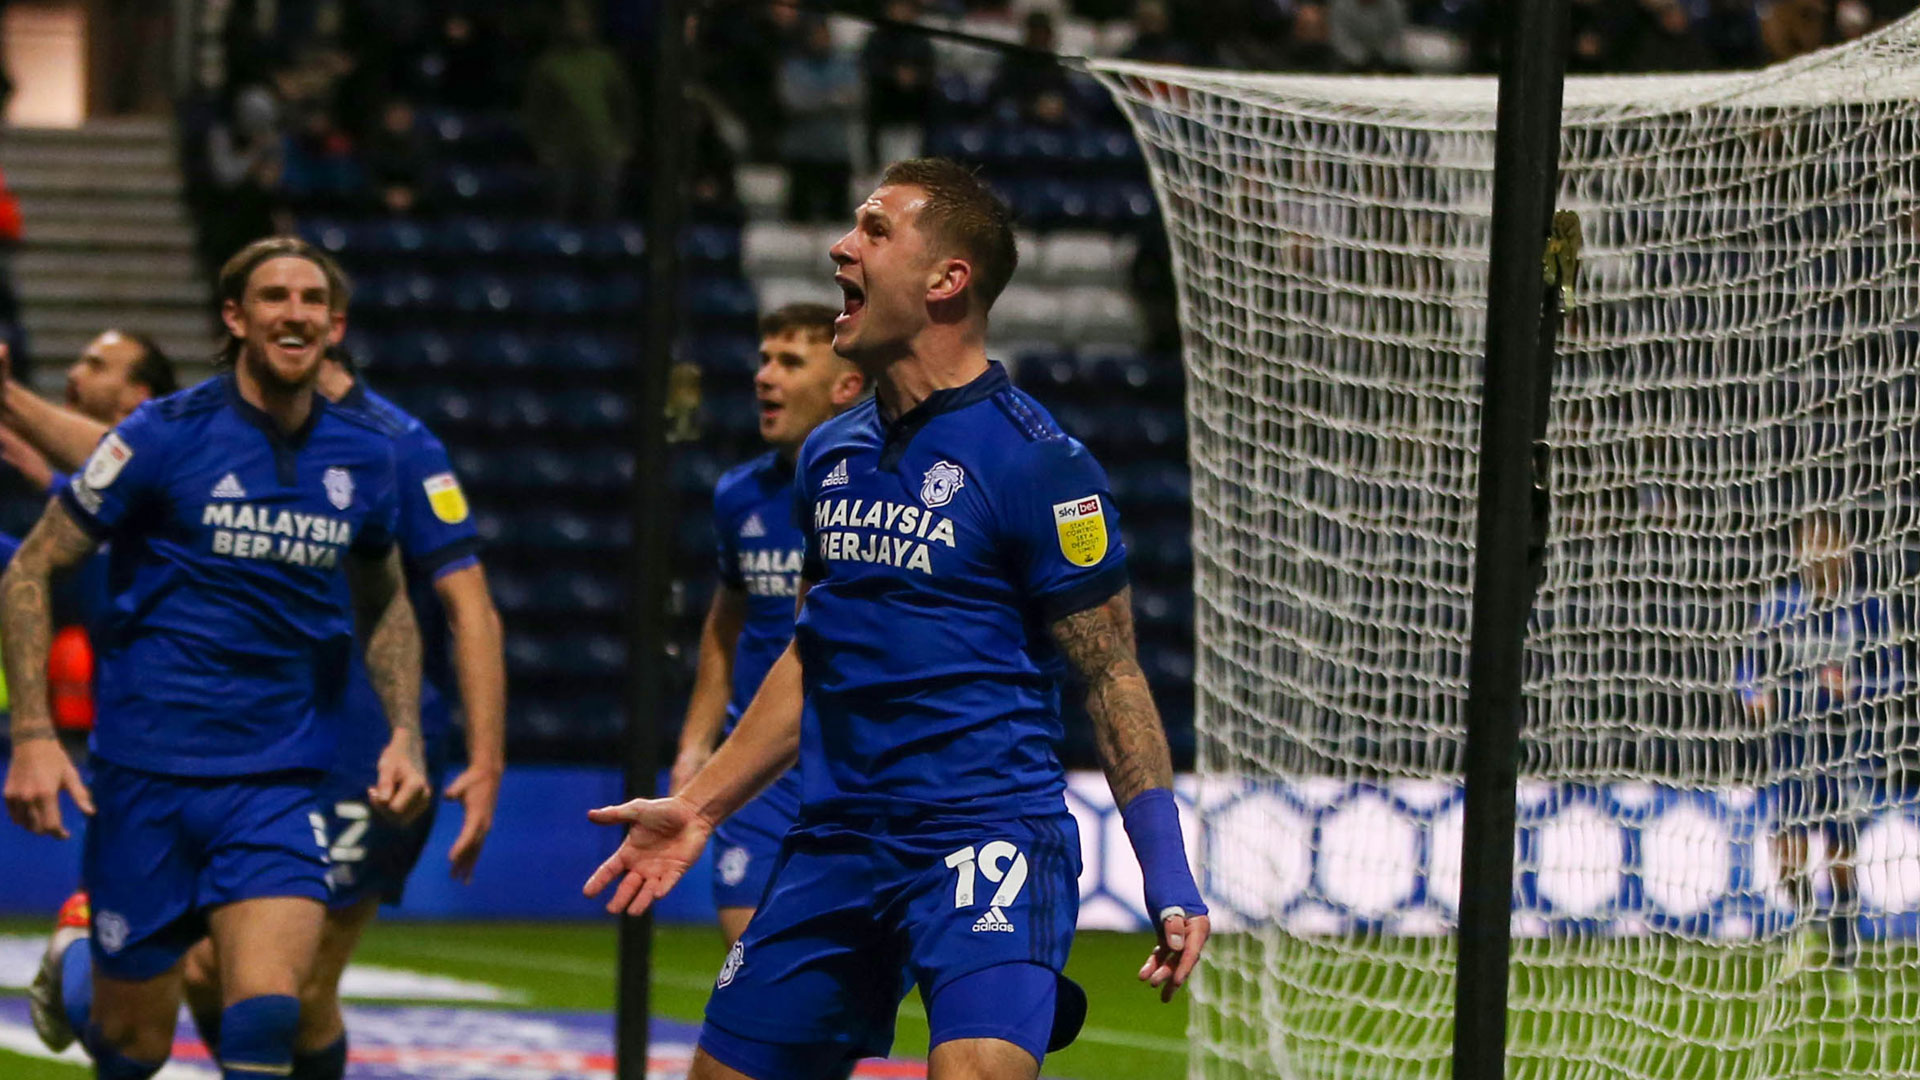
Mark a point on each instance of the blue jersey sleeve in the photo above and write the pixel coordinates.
(382, 528)
(1064, 531)
(726, 547)
(125, 471)
(436, 532)
(811, 567)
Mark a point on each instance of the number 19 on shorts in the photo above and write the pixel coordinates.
(999, 862)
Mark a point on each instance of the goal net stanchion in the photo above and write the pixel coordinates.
(1733, 444)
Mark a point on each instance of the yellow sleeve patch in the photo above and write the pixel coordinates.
(1082, 527)
(444, 495)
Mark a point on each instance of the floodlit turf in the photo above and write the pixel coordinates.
(1654, 1008)
(1129, 1035)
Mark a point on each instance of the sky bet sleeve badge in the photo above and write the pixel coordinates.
(1082, 526)
(444, 495)
(108, 459)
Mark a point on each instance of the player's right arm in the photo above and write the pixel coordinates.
(40, 768)
(712, 683)
(665, 836)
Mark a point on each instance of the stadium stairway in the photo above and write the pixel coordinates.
(107, 239)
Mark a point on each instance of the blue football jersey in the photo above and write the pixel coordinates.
(224, 647)
(941, 546)
(1815, 657)
(758, 550)
(436, 537)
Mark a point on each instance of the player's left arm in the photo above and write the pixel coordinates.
(384, 622)
(479, 662)
(39, 769)
(1099, 643)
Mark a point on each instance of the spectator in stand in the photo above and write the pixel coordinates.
(1309, 47)
(12, 332)
(1791, 28)
(1153, 38)
(1032, 88)
(1666, 41)
(397, 158)
(580, 117)
(243, 167)
(1731, 32)
(753, 36)
(820, 93)
(461, 65)
(1368, 35)
(900, 69)
(318, 161)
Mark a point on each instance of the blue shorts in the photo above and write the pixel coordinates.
(372, 854)
(162, 851)
(855, 918)
(747, 844)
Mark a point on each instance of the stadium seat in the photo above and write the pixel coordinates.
(476, 293)
(777, 248)
(708, 248)
(720, 300)
(504, 351)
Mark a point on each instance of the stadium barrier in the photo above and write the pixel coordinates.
(1316, 856)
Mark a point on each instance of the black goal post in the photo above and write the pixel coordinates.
(650, 554)
(1522, 309)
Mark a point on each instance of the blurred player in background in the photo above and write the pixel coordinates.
(801, 383)
(958, 545)
(114, 374)
(234, 509)
(371, 854)
(1822, 663)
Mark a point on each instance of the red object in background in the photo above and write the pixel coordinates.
(10, 222)
(70, 679)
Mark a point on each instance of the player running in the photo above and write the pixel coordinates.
(801, 382)
(223, 660)
(371, 854)
(957, 544)
(1823, 662)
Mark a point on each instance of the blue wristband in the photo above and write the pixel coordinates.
(1153, 825)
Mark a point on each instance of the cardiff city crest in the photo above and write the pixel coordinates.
(941, 482)
(339, 483)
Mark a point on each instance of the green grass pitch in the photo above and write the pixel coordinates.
(1130, 1035)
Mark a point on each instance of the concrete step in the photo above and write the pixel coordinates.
(42, 207)
(151, 157)
(41, 264)
(166, 321)
(83, 234)
(122, 129)
(93, 292)
(69, 180)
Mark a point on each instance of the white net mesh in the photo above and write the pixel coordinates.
(1716, 672)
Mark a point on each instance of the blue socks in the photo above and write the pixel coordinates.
(76, 985)
(256, 1037)
(327, 1063)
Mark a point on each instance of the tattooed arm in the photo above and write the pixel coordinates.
(1098, 642)
(40, 768)
(390, 638)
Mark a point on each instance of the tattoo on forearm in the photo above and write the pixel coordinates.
(392, 645)
(26, 617)
(1098, 642)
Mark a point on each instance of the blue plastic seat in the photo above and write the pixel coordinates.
(475, 293)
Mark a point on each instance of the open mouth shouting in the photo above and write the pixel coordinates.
(854, 298)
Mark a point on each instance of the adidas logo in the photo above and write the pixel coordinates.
(229, 488)
(837, 477)
(993, 922)
(754, 529)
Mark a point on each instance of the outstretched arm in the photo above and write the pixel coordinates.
(64, 436)
(479, 661)
(385, 625)
(665, 836)
(40, 769)
(1099, 643)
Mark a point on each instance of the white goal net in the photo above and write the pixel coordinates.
(1719, 852)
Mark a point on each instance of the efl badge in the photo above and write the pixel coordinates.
(108, 459)
(941, 482)
(444, 495)
(1082, 526)
(339, 484)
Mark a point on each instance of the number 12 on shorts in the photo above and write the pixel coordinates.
(996, 861)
